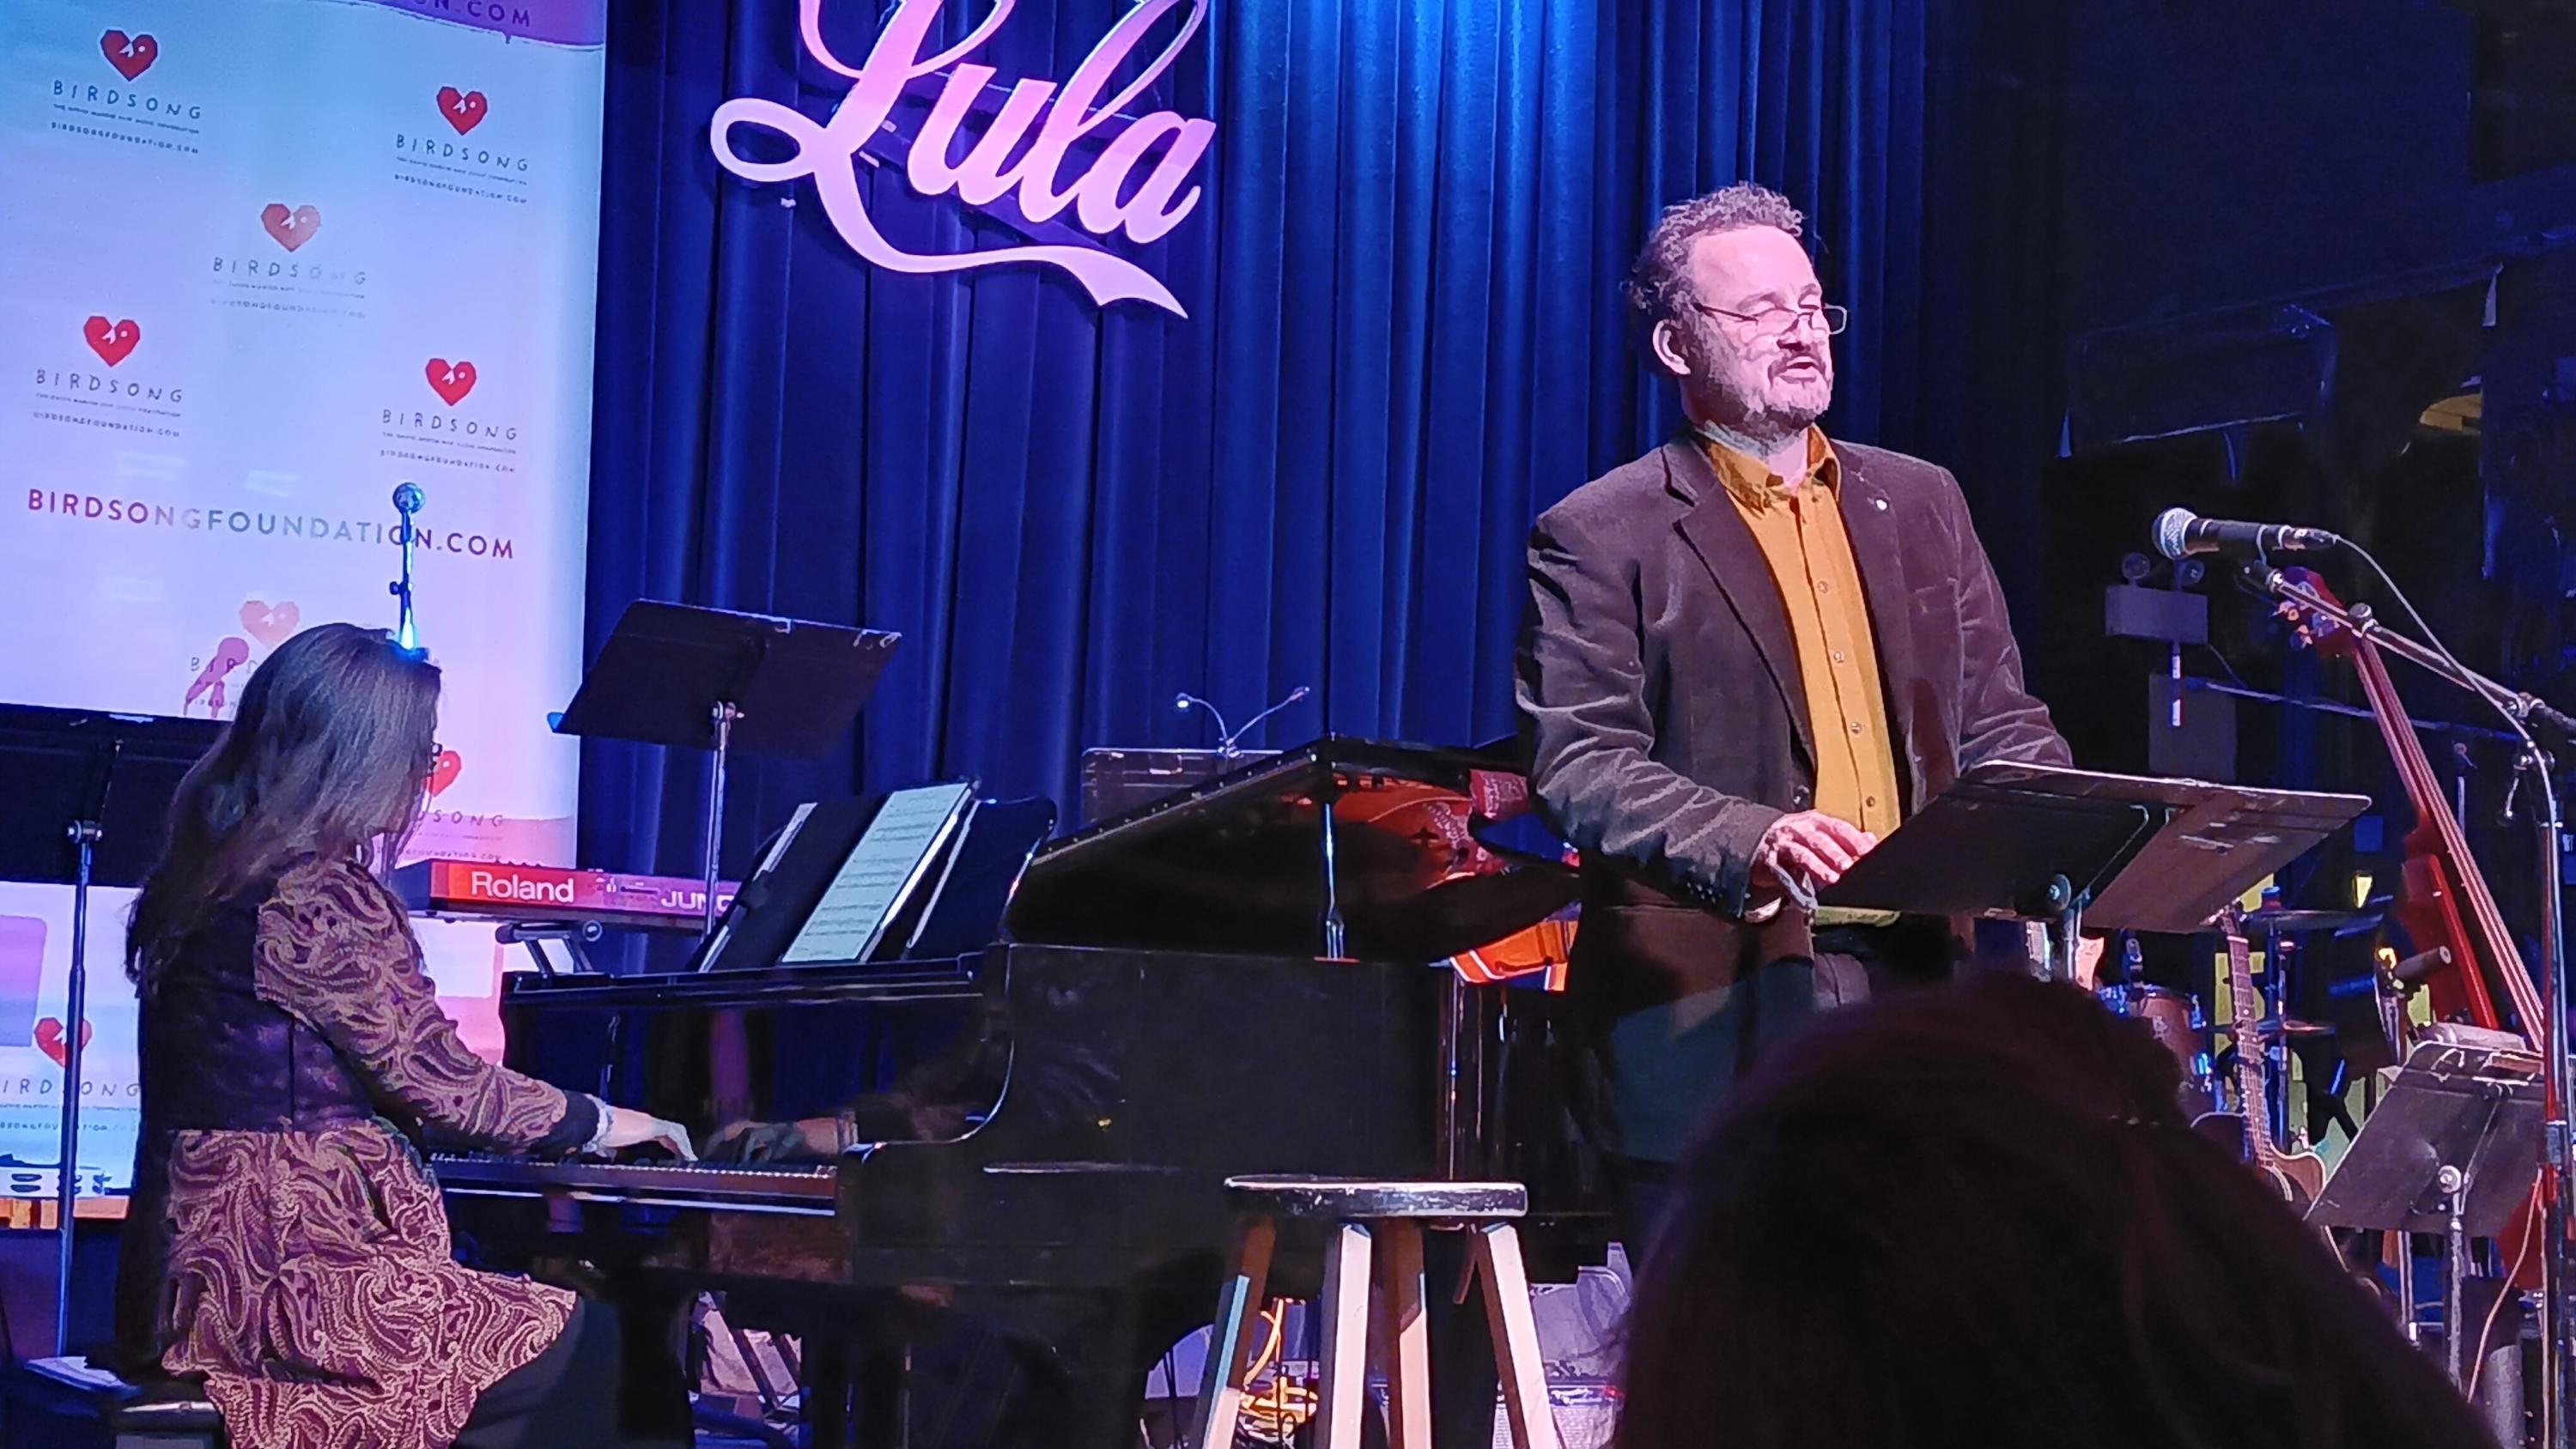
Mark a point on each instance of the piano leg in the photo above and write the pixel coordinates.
(884, 1397)
(653, 1328)
(826, 1400)
(1072, 1376)
(1088, 1367)
(856, 1394)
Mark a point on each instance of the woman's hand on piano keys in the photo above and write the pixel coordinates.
(630, 1128)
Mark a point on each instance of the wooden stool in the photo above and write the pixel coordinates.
(1378, 1225)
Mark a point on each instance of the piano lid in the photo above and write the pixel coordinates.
(1237, 864)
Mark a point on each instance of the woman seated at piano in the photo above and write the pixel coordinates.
(286, 1241)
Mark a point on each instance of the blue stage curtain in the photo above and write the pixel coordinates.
(1404, 338)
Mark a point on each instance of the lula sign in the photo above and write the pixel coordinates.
(1021, 166)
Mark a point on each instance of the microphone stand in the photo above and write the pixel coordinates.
(2519, 709)
(84, 836)
(407, 503)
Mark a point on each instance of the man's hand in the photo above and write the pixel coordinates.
(2088, 962)
(2035, 937)
(1803, 853)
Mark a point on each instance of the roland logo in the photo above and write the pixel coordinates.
(496, 885)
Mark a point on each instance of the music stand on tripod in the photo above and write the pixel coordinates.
(711, 679)
(2453, 1148)
(89, 800)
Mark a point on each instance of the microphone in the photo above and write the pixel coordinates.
(1227, 745)
(408, 501)
(1186, 701)
(1294, 695)
(2181, 532)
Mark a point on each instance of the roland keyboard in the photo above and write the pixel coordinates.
(478, 890)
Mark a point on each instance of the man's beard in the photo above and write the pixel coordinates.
(1781, 412)
(1793, 405)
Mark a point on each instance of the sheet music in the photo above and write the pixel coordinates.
(890, 858)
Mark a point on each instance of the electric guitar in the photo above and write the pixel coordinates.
(2298, 1176)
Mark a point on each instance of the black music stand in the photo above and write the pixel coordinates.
(2125, 852)
(2453, 1148)
(70, 823)
(1293, 855)
(711, 679)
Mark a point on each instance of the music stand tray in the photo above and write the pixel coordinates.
(712, 679)
(795, 685)
(2122, 852)
(2475, 1108)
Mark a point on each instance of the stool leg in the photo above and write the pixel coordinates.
(1344, 1308)
(1497, 1250)
(1404, 1335)
(1230, 1345)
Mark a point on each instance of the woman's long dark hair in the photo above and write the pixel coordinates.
(328, 755)
(1976, 1216)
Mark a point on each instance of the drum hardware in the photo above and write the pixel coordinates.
(2179, 1027)
(2274, 1028)
(2281, 921)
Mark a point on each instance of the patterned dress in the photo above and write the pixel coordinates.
(305, 1267)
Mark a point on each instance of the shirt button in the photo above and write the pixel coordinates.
(1838, 656)
(1855, 726)
(1823, 587)
(1871, 802)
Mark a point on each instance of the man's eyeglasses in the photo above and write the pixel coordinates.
(1777, 321)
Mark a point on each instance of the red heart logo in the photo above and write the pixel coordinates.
(443, 774)
(291, 229)
(271, 624)
(451, 381)
(112, 341)
(465, 111)
(49, 1040)
(130, 57)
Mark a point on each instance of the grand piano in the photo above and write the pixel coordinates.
(1029, 1134)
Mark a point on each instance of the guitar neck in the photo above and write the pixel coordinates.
(2251, 1099)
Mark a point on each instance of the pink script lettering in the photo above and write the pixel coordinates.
(1002, 161)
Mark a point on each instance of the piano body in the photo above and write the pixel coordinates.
(1040, 1129)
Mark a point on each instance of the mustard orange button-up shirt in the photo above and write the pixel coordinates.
(1800, 531)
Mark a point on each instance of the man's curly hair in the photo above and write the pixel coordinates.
(1660, 285)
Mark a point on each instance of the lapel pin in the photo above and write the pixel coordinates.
(1881, 504)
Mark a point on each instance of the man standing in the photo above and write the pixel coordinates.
(1748, 655)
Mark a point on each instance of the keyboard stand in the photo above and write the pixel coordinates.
(570, 936)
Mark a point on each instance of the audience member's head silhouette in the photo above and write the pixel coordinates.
(1975, 1216)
